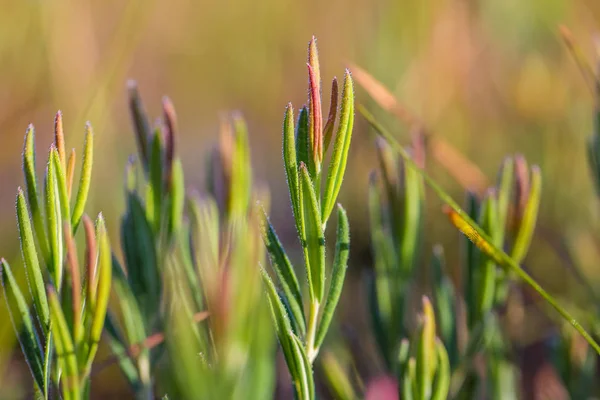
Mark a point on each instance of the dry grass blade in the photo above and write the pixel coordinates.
(467, 174)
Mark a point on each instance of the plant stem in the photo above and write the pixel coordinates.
(311, 351)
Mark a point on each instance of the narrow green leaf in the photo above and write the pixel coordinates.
(70, 173)
(65, 350)
(119, 349)
(54, 222)
(204, 237)
(505, 188)
(303, 140)
(442, 382)
(313, 238)
(177, 198)
(485, 273)
(59, 139)
(426, 351)
(289, 159)
(85, 178)
(529, 217)
(143, 132)
(285, 273)
(282, 326)
(384, 258)
(139, 249)
(103, 293)
(412, 221)
(409, 381)
(170, 131)
(340, 264)
(241, 171)
(32, 191)
(32, 264)
(23, 325)
(154, 195)
(305, 374)
(74, 280)
(470, 229)
(341, 146)
(61, 184)
(445, 303)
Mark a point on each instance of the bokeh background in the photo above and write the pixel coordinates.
(492, 77)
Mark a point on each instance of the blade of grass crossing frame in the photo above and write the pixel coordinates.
(470, 229)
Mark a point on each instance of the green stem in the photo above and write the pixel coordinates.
(311, 351)
(499, 256)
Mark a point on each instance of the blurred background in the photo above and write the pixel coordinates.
(491, 77)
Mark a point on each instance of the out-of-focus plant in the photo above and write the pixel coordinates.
(423, 364)
(396, 203)
(301, 332)
(512, 208)
(187, 258)
(60, 338)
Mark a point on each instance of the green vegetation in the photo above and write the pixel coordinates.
(189, 308)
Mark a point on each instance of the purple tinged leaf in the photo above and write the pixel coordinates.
(328, 129)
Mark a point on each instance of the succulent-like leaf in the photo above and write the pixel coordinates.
(140, 254)
(285, 273)
(154, 196)
(31, 263)
(23, 325)
(61, 185)
(340, 264)
(177, 198)
(485, 272)
(32, 192)
(282, 326)
(313, 238)
(65, 349)
(408, 383)
(442, 381)
(54, 222)
(74, 277)
(59, 139)
(241, 174)
(103, 293)
(341, 146)
(426, 351)
(304, 373)
(303, 140)
(505, 189)
(412, 221)
(70, 173)
(329, 125)
(289, 158)
(445, 303)
(85, 178)
(170, 121)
